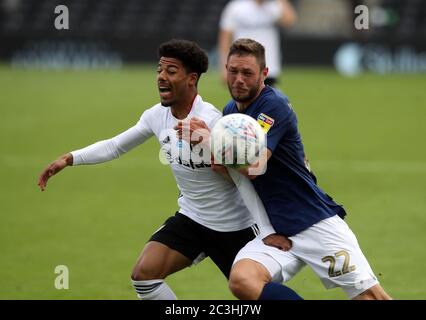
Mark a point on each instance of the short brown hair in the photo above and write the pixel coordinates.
(245, 47)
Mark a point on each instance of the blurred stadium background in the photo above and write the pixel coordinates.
(360, 98)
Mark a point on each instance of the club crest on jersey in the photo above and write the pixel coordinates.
(265, 122)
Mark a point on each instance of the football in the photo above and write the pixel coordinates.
(237, 141)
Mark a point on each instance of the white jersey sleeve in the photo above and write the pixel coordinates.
(260, 26)
(274, 9)
(252, 202)
(227, 18)
(214, 119)
(234, 15)
(113, 148)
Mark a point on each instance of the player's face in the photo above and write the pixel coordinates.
(173, 81)
(245, 77)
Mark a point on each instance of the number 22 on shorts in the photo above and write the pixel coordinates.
(346, 268)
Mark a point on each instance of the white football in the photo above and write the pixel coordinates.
(237, 140)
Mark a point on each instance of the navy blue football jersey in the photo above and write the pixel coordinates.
(288, 189)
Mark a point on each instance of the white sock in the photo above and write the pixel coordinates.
(153, 290)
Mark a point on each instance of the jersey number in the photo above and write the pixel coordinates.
(346, 269)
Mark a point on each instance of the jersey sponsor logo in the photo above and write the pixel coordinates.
(190, 158)
(265, 122)
(190, 163)
(166, 140)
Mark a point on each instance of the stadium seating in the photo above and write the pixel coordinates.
(145, 19)
(196, 19)
(405, 18)
(131, 30)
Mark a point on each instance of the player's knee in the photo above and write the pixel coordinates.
(245, 281)
(143, 272)
(240, 285)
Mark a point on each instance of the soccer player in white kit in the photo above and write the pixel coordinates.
(258, 20)
(212, 219)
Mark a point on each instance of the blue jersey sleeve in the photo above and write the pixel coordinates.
(276, 119)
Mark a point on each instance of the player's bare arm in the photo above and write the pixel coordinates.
(53, 168)
(289, 16)
(224, 42)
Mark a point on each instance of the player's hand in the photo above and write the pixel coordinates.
(53, 169)
(278, 241)
(245, 172)
(250, 169)
(193, 131)
(258, 167)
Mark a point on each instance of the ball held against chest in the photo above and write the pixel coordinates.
(237, 140)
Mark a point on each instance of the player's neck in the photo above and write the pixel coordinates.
(241, 106)
(183, 108)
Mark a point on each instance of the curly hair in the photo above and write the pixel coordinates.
(193, 58)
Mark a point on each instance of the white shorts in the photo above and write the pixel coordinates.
(329, 247)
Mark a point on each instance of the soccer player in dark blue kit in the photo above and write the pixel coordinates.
(296, 206)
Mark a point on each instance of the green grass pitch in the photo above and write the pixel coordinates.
(365, 138)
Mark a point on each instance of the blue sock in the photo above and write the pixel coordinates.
(276, 291)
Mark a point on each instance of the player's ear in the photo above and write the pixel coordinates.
(265, 72)
(193, 78)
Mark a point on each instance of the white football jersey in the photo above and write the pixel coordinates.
(205, 196)
(249, 19)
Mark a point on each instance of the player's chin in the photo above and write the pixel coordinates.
(167, 98)
(166, 102)
(239, 93)
(240, 97)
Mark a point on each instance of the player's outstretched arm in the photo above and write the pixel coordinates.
(101, 151)
(54, 168)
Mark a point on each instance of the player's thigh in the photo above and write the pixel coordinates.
(175, 245)
(331, 249)
(248, 270)
(248, 278)
(281, 265)
(157, 261)
(222, 247)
